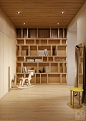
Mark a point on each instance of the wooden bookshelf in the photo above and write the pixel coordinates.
(35, 39)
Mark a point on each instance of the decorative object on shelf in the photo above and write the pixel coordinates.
(30, 60)
(41, 53)
(31, 71)
(24, 69)
(45, 52)
(26, 52)
(43, 69)
(47, 69)
(38, 60)
(54, 51)
(60, 60)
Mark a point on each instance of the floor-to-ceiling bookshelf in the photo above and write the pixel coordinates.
(35, 39)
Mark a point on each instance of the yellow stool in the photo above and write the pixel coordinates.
(75, 89)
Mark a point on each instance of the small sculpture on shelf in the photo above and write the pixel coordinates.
(45, 52)
(54, 51)
(26, 52)
(42, 71)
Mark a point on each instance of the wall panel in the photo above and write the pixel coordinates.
(7, 53)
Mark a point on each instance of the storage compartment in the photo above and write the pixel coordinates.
(65, 67)
(54, 79)
(64, 79)
(44, 59)
(64, 41)
(32, 81)
(43, 41)
(41, 66)
(25, 33)
(19, 33)
(54, 33)
(37, 78)
(60, 59)
(29, 41)
(32, 33)
(20, 59)
(18, 68)
(53, 41)
(20, 41)
(45, 47)
(54, 67)
(65, 32)
(17, 50)
(81, 79)
(18, 76)
(54, 51)
(50, 59)
(30, 65)
(43, 33)
(61, 50)
(60, 32)
(61, 67)
(43, 78)
(33, 50)
(37, 41)
(24, 49)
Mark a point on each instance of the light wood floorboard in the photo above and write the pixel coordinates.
(39, 103)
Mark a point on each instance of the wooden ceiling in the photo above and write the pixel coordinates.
(41, 13)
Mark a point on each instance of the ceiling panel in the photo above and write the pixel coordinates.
(41, 13)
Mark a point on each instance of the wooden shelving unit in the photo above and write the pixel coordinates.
(35, 39)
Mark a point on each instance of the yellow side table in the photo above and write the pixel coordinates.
(75, 89)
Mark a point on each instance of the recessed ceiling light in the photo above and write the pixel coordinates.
(19, 12)
(24, 23)
(62, 12)
(58, 23)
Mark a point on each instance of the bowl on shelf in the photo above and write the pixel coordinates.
(41, 71)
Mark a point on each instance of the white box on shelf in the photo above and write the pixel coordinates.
(30, 60)
(41, 53)
(31, 71)
(38, 60)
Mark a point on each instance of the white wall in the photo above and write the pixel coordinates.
(72, 40)
(7, 52)
(78, 26)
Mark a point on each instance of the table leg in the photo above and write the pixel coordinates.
(73, 99)
(79, 98)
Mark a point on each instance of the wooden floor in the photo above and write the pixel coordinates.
(39, 103)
